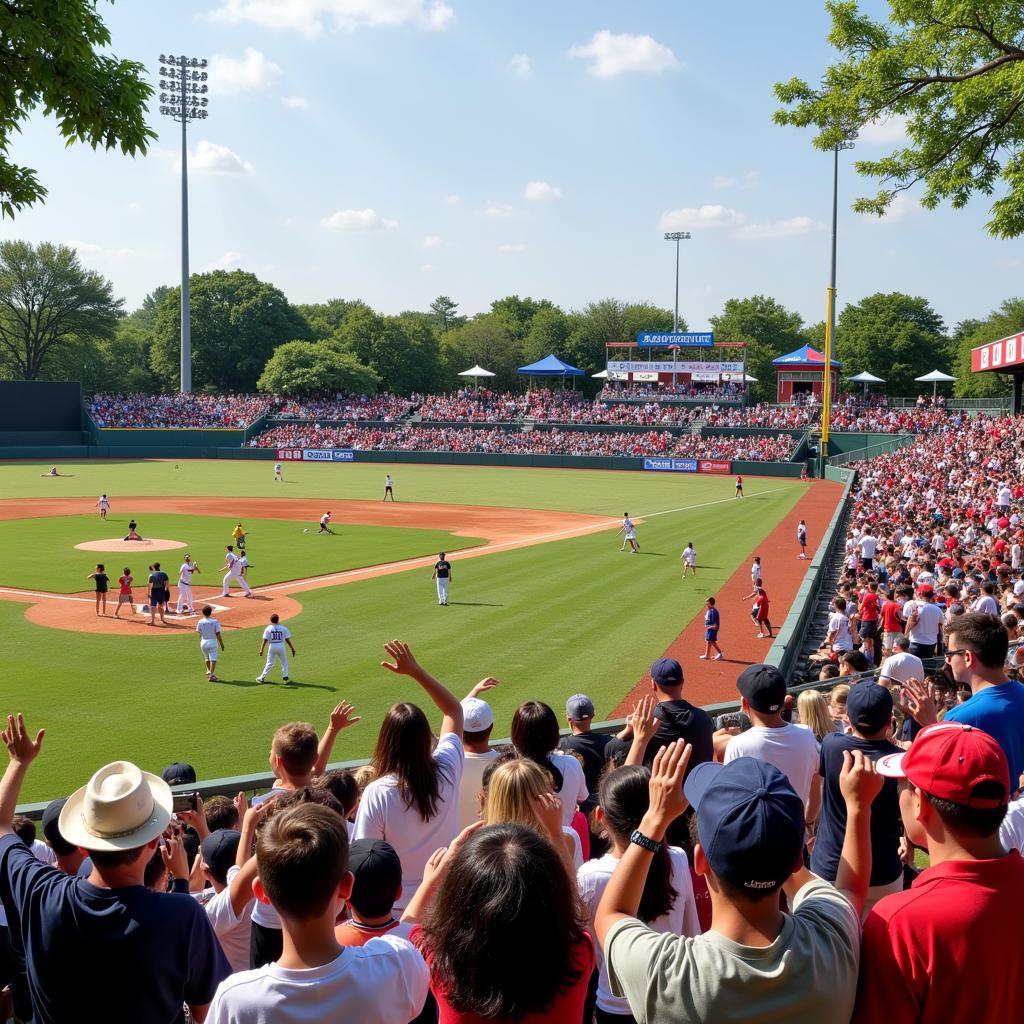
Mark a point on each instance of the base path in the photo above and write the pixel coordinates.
(502, 529)
(713, 682)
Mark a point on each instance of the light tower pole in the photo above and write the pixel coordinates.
(183, 91)
(830, 303)
(677, 237)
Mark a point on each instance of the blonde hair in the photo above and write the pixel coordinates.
(364, 775)
(511, 793)
(812, 707)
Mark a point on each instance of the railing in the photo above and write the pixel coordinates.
(873, 451)
(998, 405)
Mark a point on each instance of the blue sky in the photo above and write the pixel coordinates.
(395, 150)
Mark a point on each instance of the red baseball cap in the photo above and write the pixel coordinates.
(948, 760)
(926, 588)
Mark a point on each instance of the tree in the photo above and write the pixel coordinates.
(146, 313)
(237, 322)
(445, 313)
(612, 320)
(769, 329)
(487, 340)
(549, 331)
(1000, 323)
(311, 367)
(951, 69)
(49, 303)
(896, 336)
(52, 56)
(326, 318)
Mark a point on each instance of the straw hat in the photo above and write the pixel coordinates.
(120, 808)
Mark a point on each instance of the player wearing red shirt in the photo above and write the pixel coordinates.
(930, 954)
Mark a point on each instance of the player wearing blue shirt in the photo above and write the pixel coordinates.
(712, 621)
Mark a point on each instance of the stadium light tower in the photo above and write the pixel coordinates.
(830, 320)
(677, 237)
(183, 91)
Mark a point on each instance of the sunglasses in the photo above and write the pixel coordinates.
(953, 654)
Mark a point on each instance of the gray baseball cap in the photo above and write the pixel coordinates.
(579, 707)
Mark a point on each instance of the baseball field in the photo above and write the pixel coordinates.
(541, 596)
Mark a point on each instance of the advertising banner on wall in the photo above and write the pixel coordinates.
(666, 366)
(671, 465)
(715, 466)
(998, 355)
(315, 455)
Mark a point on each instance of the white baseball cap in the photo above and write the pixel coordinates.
(477, 715)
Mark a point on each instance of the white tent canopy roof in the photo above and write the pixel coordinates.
(749, 379)
(600, 375)
(935, 376)
(867, 378)
(476, 371)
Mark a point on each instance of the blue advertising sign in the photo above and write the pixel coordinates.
(666, 339)
(328, 455)
(671, 465)
(343, 455)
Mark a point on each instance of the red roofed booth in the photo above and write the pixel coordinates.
(801, 373)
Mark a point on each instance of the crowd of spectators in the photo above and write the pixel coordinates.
(417, 437)
(759, 868)
(619, 391)
(386, 408)
(850, 413)
(177, 411)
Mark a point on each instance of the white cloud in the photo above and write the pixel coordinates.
(431, 241)
(209, 158)
(102, 252)
(498, 211)
(885, 132)
(512, 247)
(452, 200)
(521, 65)
(295, 102)
(311, 17)
(539, 191)
(80, 247)
(253, 72)
(358, 220)
(231, 260)
(790, 228)
(749, 179)
(610, 55)
(708, 216)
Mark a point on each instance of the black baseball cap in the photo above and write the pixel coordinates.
(764, 686)
(869, 706)
(179, 773)
(219, 851)
(667, 672)
(377, 870)
(51, 828)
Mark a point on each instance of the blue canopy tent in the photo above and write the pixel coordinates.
(552, 366)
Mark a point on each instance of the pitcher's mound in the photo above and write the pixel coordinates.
(147, 544)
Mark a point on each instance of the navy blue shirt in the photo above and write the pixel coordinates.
(885, 813)
(119, 955)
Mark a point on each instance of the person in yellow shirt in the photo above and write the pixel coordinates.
(238, 534)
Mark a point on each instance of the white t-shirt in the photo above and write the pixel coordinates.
(473, 768)
(277, 467)
(185, 572)
(1005, 496)
(755, 571)
(592, 879)
(1011, 831)
(792, 750)
(383, 982)
(987, 604)
(276, 633)
(232, 932)
(384, 814)
(325, 518)
(868, 544)
(840, 624)
(574, 785)
(690, 556)
(929, 623)
(208, 628)
(901, 667)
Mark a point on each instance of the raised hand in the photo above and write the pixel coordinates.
(485, 684)
(241, 802)
(196, 818)
(172, 851)
(859, 781)
(21, 748)
(549, 810)
(642, 720)
(405, 664)
(342, 717)
(920, 698)
(666, 786)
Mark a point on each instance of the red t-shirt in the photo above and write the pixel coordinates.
(870, 605)
(891, 621)
(761, 606)
(932, 954)
(566, 1009)
(126, 584)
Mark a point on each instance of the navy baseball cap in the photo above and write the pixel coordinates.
(219, 851)
(51, 828)
(869, 706)
(667, 672)
(764, 686)
(750, 822)
(377, 872)
(179, 773)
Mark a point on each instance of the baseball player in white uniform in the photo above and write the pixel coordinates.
(210, 641)
(188, 567)
(689, 557)
(278, 478)
(628, 531)
(103, 505)
(276, 636)
(233, 565)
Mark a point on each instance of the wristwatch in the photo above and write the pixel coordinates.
(651, 845)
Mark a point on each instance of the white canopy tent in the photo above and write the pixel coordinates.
(476, 372)
(600, 375)
(865, 378)
(935, 378)
(747, 379)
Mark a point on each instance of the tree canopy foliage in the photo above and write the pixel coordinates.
(951, 69)
(1008, 319)
(53, 56)
(311, 367)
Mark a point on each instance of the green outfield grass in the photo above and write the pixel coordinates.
(40, 554)
(548, 621)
